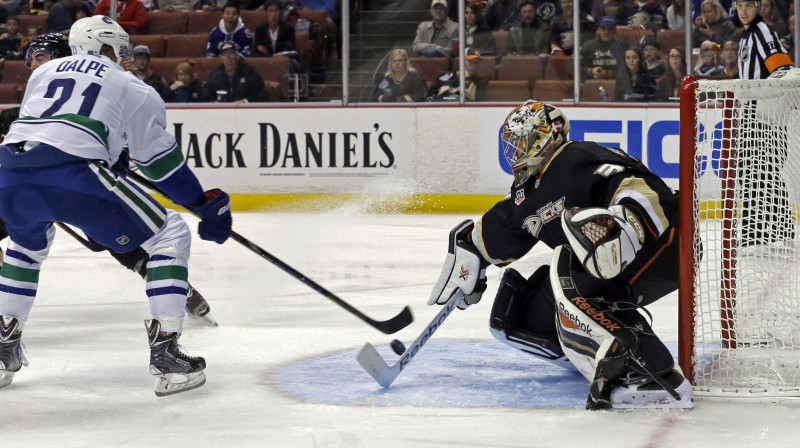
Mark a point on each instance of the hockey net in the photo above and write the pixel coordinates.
(739, 316)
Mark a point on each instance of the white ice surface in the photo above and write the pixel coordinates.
(281, 365)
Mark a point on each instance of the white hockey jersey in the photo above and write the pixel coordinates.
(90, 107)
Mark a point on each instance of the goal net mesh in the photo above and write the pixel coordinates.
(746, 309)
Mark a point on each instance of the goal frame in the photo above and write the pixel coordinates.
(725, 211)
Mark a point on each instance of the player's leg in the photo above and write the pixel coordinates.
(613, 346)
(167, 239)
(120, 216)
(196, 305)
(523, 316)
(19, 280)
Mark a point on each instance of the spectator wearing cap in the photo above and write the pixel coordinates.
(230, 29)
(401, 83)
(530, 34)
(141, 69)
(434, 38)
(652, 58)
(238, 79)
(275, 38)
(131, 14)
(602, 57)
(61, 16)
(446, 88)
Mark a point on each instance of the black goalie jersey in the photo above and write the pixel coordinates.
(586, 174)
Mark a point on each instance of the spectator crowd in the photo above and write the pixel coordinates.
(641, 70)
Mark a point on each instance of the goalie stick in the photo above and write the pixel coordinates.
(384, 374)
(390, 326)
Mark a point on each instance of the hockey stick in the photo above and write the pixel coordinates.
(384, 374)
(393, 325)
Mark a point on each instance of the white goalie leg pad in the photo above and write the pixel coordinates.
(462, 267)
(585, 341)
(603, 239)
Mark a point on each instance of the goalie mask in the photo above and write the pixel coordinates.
(531, 134)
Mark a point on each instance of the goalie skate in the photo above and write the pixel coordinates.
(197, 307)
(647, 394)
(12, 357)
(174, 370)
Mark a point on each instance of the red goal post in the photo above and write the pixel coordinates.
(739, 292)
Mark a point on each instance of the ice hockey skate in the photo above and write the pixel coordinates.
(197, 307)
(645, 393)
(11, 356)
(167, 360)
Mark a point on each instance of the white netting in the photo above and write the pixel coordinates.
(747, 250)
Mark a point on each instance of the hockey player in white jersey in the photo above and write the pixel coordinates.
(76, 115)
(45, 48)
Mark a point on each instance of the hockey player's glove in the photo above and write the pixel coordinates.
(215, 216)
(464, 271)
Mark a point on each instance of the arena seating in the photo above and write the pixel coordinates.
(430, 68)
(559, 67)
(15, 72)
(168, 22)
(203, 21)
(508, 90)
(155, 42)
(188, 45)
(553, 90)
(10, 93)
(529, 68)
(592, 90)
(670, 38)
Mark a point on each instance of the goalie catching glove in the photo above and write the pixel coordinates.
(603, 239)
(464, 270)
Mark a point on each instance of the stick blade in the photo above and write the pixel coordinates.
(373, 363)
(395, 324)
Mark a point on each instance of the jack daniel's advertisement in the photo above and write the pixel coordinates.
(263, 150)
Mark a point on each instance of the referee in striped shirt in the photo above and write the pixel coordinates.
(766, 213)
(760, 49)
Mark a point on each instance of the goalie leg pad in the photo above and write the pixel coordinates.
(610, 343)
(464, 269)
(522, 316)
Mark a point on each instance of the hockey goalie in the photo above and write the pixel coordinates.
(612, 225)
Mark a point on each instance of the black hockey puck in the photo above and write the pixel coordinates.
(398, 347)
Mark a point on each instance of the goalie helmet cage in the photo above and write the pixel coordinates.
(739, 296)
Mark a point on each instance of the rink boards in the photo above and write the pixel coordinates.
(412, 158)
